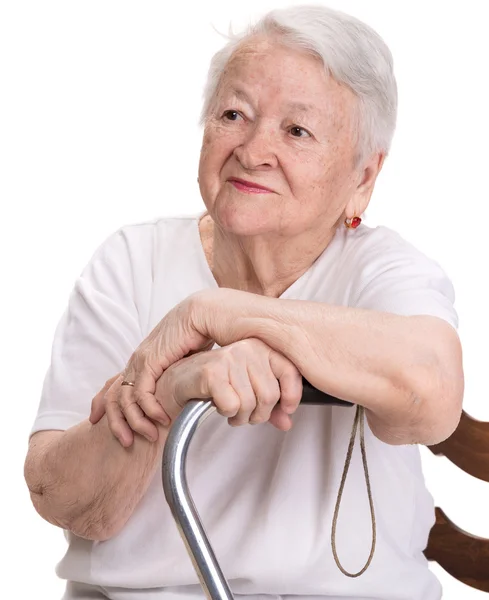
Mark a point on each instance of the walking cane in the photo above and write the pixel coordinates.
(180, 501)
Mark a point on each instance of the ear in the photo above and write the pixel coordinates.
(366, 181)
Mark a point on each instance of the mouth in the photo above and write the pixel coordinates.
(248, 186)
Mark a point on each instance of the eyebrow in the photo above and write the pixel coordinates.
(298, 106)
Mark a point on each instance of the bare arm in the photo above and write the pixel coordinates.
(83, 480)
(405, 370)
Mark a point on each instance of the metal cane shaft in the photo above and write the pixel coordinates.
(180, 501)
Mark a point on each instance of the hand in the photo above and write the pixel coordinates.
(128, 407)
(248, 381)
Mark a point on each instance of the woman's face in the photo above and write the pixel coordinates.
(279, 121)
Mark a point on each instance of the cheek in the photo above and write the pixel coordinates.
(216, 149)
(323, 176)
(310, 171)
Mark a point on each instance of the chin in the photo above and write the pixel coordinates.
(245, 218)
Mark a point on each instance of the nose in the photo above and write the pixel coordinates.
(258, 150)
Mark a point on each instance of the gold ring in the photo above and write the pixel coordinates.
(127, 383)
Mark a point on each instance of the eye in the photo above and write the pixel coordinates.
(296, 128)
(228, 113)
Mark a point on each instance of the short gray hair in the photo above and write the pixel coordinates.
(352, 52)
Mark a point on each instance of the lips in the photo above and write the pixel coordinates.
(249, 186)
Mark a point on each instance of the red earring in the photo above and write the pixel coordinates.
(353, 223)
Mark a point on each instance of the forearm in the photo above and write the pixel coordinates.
(86, 482)
(399, 368)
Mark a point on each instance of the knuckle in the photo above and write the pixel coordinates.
(240, 346)
(124, 402)
(146, 402)
(256, 418)
(138, 397)
(229, 354)
(248, 397)
(207, 378)
(234, 406)
(153, 412)
(112, 406)
(228, 408)
(250, 345)
(208, 371)
(270, 396)
(290, 368)
(211, 376)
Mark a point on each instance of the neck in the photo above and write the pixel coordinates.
(259, 264)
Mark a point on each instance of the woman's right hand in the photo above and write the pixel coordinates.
(248, 381)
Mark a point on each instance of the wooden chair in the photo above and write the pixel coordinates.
(464, 556)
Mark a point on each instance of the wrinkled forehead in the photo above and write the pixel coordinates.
(263, 62)
(272, 72)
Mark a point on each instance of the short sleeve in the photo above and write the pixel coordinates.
(394, 276)
(98, 331)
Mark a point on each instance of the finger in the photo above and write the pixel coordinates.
(97, 409)
(172, 393)
(153, 409)
(134, 415)
(280, 419)
(246, 392)
(202, 382)
(290, 382)
(138, 402)
(150, 403)
(267, 391)
(117, 424)
(226, 400)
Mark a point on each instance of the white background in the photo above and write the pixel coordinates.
(98, 119)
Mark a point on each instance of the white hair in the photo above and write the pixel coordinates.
(352, 53)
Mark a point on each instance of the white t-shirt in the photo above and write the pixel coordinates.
(266, 497)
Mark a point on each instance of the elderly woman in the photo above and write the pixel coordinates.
(277, 280)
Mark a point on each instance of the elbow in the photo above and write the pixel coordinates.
(439, 428)
(445, 414)
(437, 387)
(443, 408)
(431, 413)
(52, 505)
(424, 430)
(36, 486)
(85, 525)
